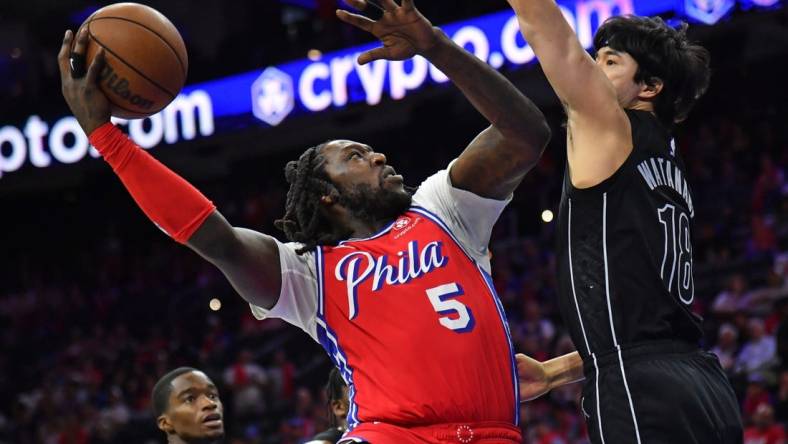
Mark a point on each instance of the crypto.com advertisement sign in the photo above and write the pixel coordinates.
(330, 81)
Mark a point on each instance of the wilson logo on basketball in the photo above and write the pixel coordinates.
(120, 87)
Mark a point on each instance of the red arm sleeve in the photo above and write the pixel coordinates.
(167, 199)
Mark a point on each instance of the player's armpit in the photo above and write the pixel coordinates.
(596, 149)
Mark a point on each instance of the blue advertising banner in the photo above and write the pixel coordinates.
(330, 81)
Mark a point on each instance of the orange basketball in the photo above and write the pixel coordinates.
(146, 60)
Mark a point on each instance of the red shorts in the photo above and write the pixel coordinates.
(456, 433)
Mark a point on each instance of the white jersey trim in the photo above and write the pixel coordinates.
(580, 318)
(610, 315)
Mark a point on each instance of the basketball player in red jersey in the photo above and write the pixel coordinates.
(393, 283)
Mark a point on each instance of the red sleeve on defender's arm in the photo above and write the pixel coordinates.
(173, 204)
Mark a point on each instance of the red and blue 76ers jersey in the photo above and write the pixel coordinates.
(412, 321)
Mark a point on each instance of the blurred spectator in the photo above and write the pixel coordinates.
(535, 325)
(115, 415)
(759, 352)
(763, 429)
(72, 431)
(282, 375)
(764, 238)
(246, 380)
(729, 301)
(768, 185)
(755, 395)
(727, 346)
(302, 423)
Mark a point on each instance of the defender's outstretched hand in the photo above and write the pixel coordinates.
(81, 91)
(402, 29)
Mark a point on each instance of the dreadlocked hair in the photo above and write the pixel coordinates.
(303, 221)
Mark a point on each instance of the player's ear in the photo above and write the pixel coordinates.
(165, 425)
(331, 198)
(651, 88)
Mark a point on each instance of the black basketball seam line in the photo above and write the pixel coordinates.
(177, 56)
(180, 62)
(152, 82)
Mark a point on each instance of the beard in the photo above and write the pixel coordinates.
(217, 439)
(372, 206)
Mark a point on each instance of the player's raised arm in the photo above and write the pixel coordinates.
(250, 260)
(599, 131)
(498, 159)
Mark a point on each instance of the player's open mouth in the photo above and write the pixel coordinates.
(213, 420)
(389, 173)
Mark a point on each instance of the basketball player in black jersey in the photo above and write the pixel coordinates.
(625, 239)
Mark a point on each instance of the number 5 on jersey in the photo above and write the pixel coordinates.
(440, 297)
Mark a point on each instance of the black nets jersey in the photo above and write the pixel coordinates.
(625, 249)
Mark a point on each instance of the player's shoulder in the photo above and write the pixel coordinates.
(646, 123)
(429, 186)
(436, 196)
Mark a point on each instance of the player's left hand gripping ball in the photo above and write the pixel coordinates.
(89, 105)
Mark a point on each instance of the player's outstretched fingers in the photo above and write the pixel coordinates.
(372, 55)
(63, 55)
(356, 20)
(408, 4)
